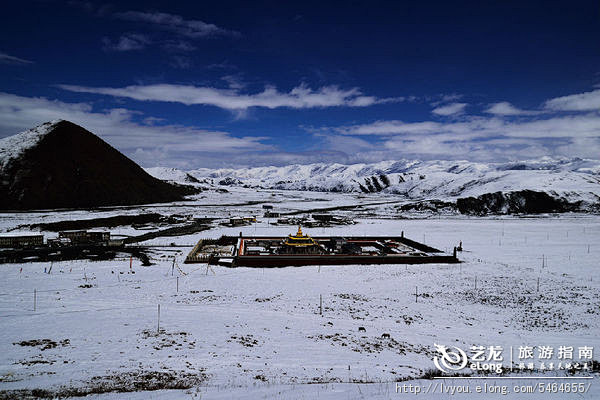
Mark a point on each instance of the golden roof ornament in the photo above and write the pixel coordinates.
(300, 239)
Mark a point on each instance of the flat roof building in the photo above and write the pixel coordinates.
(21, 240)
(82, 236)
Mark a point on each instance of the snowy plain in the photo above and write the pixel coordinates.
(258, 333)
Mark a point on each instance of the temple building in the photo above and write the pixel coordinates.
(302, 249)
(300, 244)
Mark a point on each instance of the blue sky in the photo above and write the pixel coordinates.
(225, 84)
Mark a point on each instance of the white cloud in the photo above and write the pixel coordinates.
(577, 126)
(152, 141)
(232, 99)
(176, 24)
(450, 109)
(391, 127)
(179, 145)
(505, 108)
(476, 138)
(582, 147)
(445, 98)
(588, 101)
(8, 59)
(587, 125)
(127, 42)
(346, 144)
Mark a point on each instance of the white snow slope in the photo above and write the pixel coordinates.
(12, 147)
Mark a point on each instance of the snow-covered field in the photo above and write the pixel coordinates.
(258, 333)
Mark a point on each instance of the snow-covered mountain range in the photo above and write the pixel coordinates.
(573, 179)
(532, 186)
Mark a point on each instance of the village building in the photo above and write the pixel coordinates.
(21, 240)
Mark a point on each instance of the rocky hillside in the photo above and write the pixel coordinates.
(61, 165)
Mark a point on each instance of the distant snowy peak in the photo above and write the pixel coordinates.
(414, 179)
(171, 175)
(13, 147)
(555, 164)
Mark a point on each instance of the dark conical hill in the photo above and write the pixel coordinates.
(62, 165)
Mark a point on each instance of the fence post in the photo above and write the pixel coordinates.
(321, 304)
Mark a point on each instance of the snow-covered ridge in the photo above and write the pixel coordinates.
(571, 178)
(167, 174)
(171, 175)
(12, 147)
